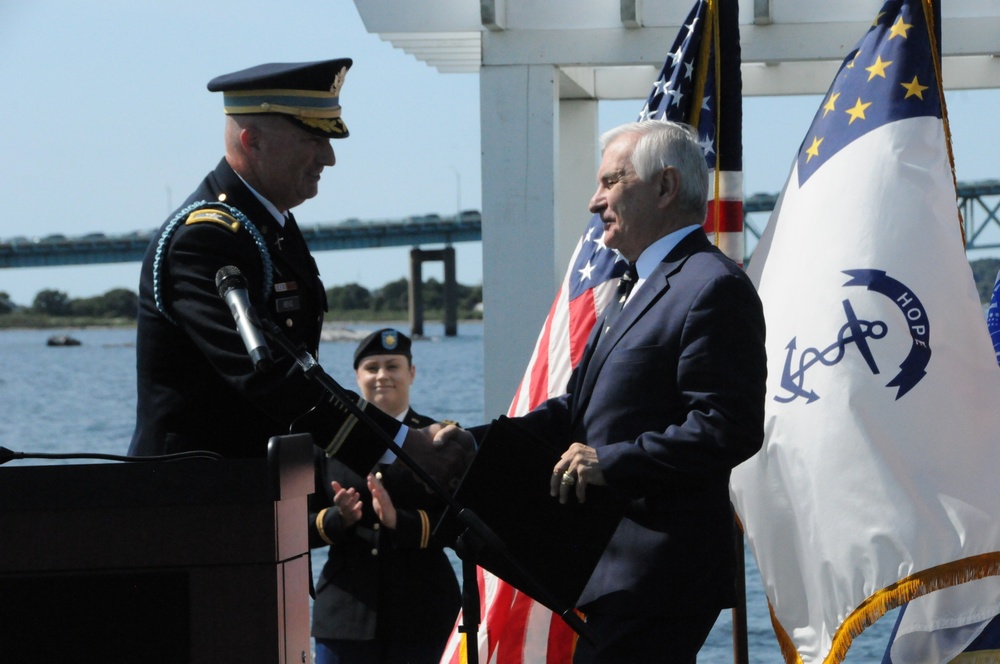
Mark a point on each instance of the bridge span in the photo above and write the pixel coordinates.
(54, 250)
(978, 201)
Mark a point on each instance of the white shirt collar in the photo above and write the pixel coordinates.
(278, 216)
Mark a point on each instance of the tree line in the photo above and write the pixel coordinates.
(351, 299)
(395, 297)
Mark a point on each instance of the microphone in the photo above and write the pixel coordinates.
(233, 289)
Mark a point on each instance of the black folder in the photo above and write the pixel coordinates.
(507, 487)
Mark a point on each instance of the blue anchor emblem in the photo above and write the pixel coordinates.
(857, 331)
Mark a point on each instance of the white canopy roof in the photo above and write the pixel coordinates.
(611, 49)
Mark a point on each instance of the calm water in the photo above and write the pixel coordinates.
(82, 399)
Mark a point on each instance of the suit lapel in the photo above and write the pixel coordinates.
(654, 288)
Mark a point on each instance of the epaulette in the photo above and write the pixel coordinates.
(213, 216)
(450, 422)
(218, 213)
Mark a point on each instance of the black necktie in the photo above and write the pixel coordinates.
(626, 284)
(295, 243)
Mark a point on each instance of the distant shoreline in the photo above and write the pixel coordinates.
(39, 322)
(59, 323)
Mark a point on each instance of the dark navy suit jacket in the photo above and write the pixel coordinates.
(672, 400)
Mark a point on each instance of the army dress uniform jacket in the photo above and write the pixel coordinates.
(672, 399)
(379, 583)
(197, 387)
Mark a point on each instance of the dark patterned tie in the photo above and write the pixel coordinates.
(294, 242)
(626, 284)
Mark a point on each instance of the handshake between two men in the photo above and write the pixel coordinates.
(443, 451)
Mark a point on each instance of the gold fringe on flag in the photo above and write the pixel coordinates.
(916, 585)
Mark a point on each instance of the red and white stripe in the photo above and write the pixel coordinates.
(724, 222)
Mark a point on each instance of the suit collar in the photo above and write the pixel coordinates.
(232, 190)
(654, 254)
(279, 217)
(658, 280)
(693, 243)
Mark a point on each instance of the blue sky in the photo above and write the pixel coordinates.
(108, 127)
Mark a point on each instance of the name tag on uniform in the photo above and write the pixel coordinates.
(286, 304)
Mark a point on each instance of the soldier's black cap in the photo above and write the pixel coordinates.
(306, 92)
(386, 341)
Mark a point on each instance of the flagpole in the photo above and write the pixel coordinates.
(741, 652)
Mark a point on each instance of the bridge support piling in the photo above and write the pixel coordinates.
(416, 293)
(417, 258)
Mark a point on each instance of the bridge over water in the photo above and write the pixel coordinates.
(53, 250)
(978, 201)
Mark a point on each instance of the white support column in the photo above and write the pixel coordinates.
(518, 111)
(576, 177)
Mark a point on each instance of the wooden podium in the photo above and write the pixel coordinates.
(184, 561)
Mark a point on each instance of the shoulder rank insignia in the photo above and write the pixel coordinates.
(213, 216)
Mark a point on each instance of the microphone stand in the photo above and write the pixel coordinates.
(476, 536)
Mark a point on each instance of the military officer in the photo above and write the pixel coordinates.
(197, 387)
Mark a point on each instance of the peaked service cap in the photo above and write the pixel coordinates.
(306, 92)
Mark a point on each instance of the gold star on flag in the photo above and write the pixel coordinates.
(813, 150)
(828, 106)
(858, 111)
(913, 88)
(877, 69)
(899, 28)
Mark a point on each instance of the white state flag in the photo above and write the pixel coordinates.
(877, 480)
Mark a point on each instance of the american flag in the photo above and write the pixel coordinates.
(699, 85)
(588, 286)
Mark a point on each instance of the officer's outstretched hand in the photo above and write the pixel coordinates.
(443, 451)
